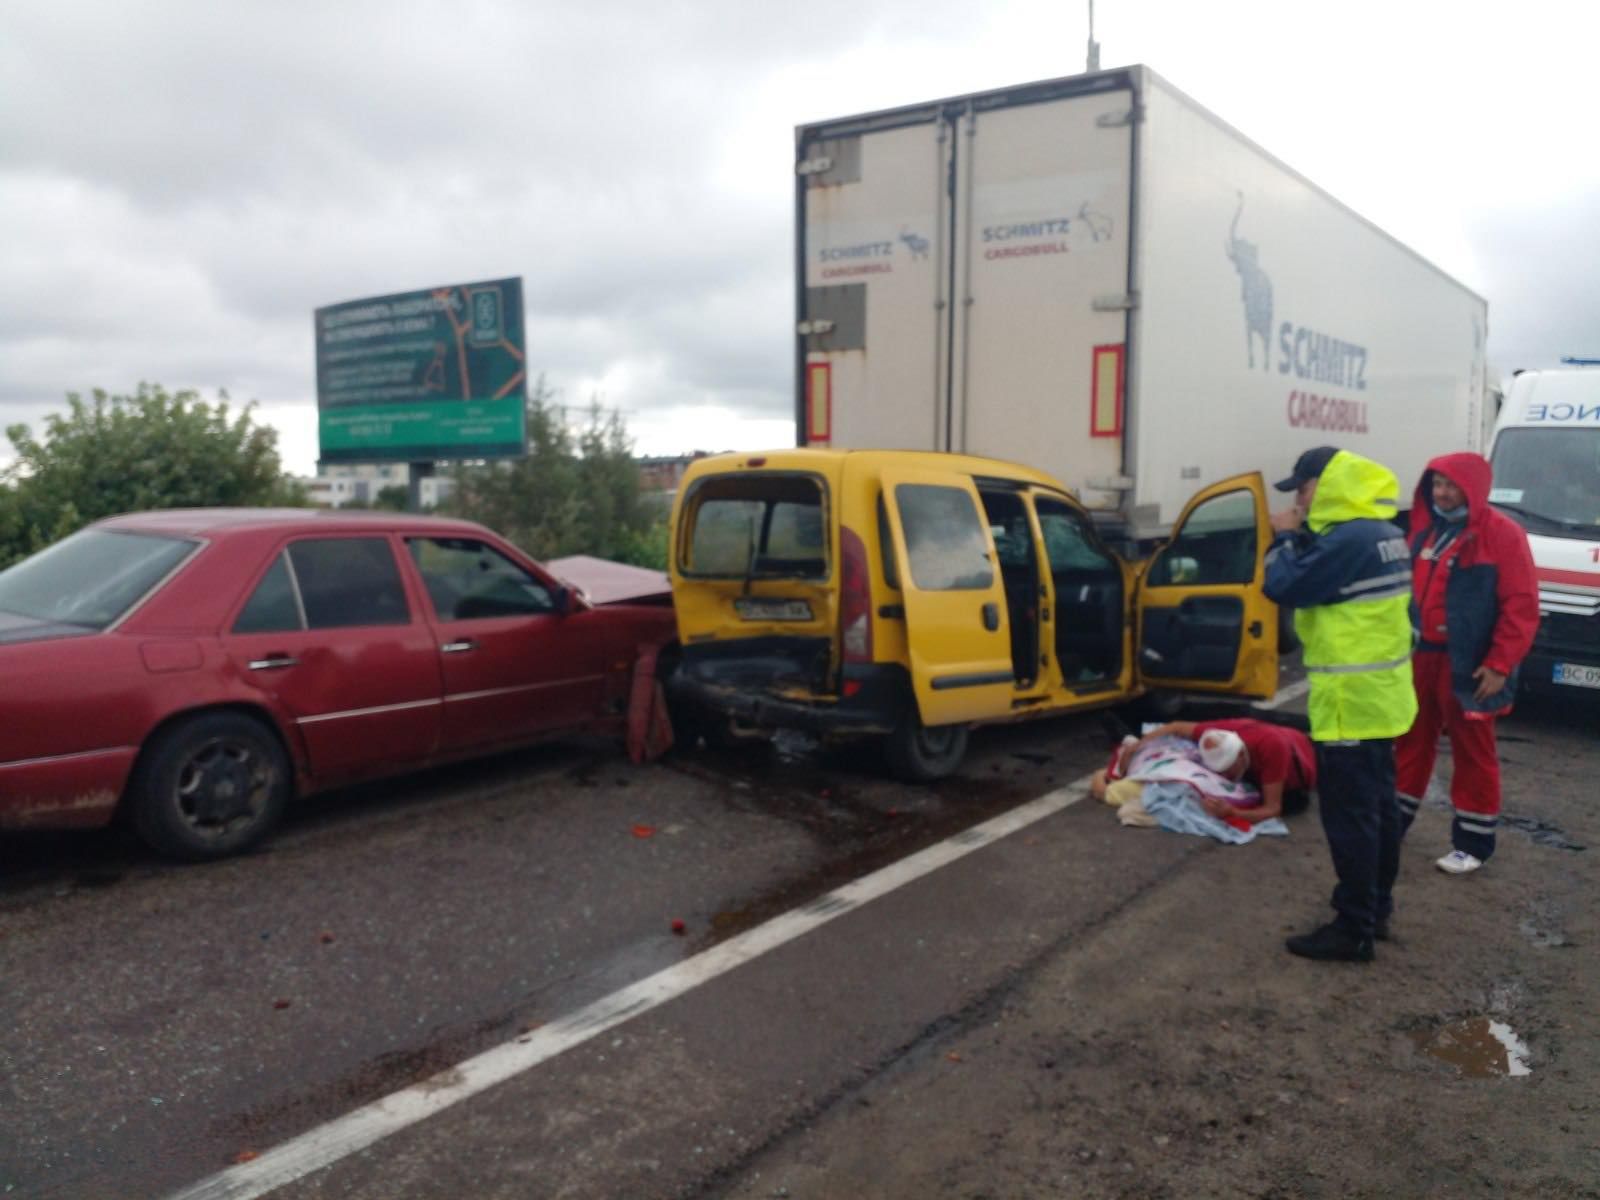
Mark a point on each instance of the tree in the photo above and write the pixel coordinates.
(115, 454)
(567, 496)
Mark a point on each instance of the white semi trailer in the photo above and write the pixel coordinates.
(1097, 277)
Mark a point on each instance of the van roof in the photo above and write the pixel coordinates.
(1566, 396)
(821, 459)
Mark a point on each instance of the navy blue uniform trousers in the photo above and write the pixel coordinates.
(1361, 816)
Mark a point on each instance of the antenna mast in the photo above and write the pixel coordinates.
(1094, 46)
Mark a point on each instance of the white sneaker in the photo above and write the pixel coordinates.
(1458, 862)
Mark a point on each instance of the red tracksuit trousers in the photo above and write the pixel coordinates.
(1475, 782)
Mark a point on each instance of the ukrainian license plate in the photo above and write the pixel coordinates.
(765, 608)
(1577, 675)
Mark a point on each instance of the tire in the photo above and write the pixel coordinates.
(209, 786)
(919, 753)
(1288, 640)
(1158, 706)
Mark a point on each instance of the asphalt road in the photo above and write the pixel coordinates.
(167, 1023)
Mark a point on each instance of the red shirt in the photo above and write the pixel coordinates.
(1278, 754)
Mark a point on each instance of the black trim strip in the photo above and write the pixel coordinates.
(945, 682)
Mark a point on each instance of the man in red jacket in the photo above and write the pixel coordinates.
(1475, 609)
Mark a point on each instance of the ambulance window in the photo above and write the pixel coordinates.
(944, 537)
(1215, 544)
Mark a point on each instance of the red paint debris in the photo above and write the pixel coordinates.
(678, 926)
(644, 831)
(953, 1056)
(245, 1156)
(281, 1003)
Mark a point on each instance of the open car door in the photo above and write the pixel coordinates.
(1205, 623)
(954, 596)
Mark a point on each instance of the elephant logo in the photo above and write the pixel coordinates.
(1255, 289)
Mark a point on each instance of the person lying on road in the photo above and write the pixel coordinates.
(1278, 760)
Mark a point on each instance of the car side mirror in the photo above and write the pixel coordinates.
(561, 601)
(1183, 569)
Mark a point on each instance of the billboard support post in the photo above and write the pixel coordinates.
(418, 471)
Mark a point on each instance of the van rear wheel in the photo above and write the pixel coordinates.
(919, 753)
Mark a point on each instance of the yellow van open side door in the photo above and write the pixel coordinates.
(1205, 624)
(954, 596)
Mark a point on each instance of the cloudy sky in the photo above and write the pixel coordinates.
(182, 183)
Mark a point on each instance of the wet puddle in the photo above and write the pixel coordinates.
(1478, 1047)
(1541, 832)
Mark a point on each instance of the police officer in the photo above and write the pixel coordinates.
(1341, 563)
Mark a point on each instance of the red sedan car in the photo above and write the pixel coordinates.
(194, 667)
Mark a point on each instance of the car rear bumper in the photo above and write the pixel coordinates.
(872, 700)
(69, 791)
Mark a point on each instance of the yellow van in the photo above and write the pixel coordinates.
(911, 594)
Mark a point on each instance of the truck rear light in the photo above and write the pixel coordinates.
(855, 598)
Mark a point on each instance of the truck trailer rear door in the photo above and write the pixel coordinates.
(1042, 301)
(873, 330)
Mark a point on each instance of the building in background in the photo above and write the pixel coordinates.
(338, 484)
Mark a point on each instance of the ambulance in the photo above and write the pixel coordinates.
(1546, 456)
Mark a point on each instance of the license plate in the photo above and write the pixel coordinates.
(763, 608)
(1577, 675)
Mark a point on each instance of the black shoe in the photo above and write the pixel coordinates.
(1331, 943)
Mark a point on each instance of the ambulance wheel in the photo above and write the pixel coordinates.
(919, 753)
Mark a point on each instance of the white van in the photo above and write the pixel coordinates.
(1546, 456)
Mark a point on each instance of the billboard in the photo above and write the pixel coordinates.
(420, 376)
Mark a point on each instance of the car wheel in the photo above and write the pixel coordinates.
(210, 786)
(919, 753)
(1158, 706)
(1288, 639)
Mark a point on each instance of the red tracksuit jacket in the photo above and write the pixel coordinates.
(1478, 599)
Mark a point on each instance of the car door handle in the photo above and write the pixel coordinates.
(1255, 629)
(275, 663)
(991, 616)
(459, 647)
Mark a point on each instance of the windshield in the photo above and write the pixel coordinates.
(752, 526)
(91, 578)
(1549, 479)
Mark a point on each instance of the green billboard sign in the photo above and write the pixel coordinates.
(422, 376)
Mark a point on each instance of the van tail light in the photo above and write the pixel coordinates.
(855, 598)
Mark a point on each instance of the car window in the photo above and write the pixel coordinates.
(348, 581)
(273, 606)
(944, 537)
(469, 580)
(1216, 544)
(91, 578)
(768, 526)
(1068, 542)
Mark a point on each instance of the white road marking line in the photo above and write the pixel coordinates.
(1285, 694)
(355, 1131)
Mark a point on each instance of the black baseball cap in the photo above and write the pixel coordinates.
(1307, 467)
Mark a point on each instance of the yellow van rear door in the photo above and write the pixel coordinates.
(955, 602)
(1205, 623)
